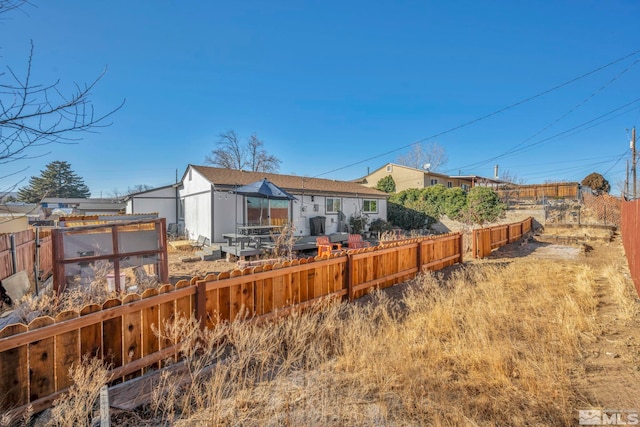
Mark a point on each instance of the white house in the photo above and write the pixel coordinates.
(208, 205)
(161, 200)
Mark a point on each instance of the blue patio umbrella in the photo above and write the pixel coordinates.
(264, 188)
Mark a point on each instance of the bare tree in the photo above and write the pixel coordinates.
(260, 160)
(35, 114)
(231, 153)
(421, 155)
(511, 178)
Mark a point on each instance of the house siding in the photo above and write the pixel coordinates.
(161, 201)
(195, 193)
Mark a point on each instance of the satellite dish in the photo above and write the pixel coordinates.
(426, 166)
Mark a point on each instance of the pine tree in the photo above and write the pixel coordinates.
(57, 180)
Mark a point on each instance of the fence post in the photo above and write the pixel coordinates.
(460, 246)
(419, 255)
(14, 255)
(36, 260)
(350, 277)
(474, 245)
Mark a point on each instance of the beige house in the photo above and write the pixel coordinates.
(407, 177)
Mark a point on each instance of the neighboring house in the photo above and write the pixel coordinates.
(470, 181)
(81, 206)
(407, 177)
(209, 206)
(13, 223)
(32, 211)
(161, 200)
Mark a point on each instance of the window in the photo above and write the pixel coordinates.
(434, 181)
(449, 184)
(370, 206)
(465, 187)
(333, 205)
(261, 211)
(189, 174)
(389, 168)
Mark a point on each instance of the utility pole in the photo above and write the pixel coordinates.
(633, 160)
(626, 183)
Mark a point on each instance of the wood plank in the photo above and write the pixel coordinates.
(183, 305)
(167, 316)
(91, 335)
(67, 351)
(14, 371)
(112, 336)
(131, 336)
(41, 362)
(224, 297)
(150, 320)
(247, 301)
(279, 292)
(235, 297)
(268, 304)
(258, 293)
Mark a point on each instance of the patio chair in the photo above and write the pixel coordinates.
(355, 241)
(172, 230)
(326, 247)
(200, 242)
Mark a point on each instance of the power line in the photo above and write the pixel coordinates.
(514, 149)
(563, 133)
(486, 116)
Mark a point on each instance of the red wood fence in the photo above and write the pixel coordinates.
(23, 253)
(487, 239)
(562, 190)
(35, 358)
(630, 228)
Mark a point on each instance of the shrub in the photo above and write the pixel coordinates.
(380, 226)
(407, 217)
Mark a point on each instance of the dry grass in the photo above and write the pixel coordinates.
(78, 406)
(622, 291)
(491, 345)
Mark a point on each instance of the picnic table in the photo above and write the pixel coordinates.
(233, 239)
(259, 229)
(255, 240)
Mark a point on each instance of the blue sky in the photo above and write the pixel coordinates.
(337, 88)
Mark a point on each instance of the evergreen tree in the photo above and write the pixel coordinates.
(57, 180)
(386, 184)
(483, 205)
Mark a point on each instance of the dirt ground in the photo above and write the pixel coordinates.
(179, 269)
(609, 375)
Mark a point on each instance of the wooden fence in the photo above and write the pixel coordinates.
(487, 239)
(35, 358)
(630, 229)
(562, 190)
(21, 254)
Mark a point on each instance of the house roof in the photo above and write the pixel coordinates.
(227, 179)
(151, 190)
(478, 178)
(29, 209)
